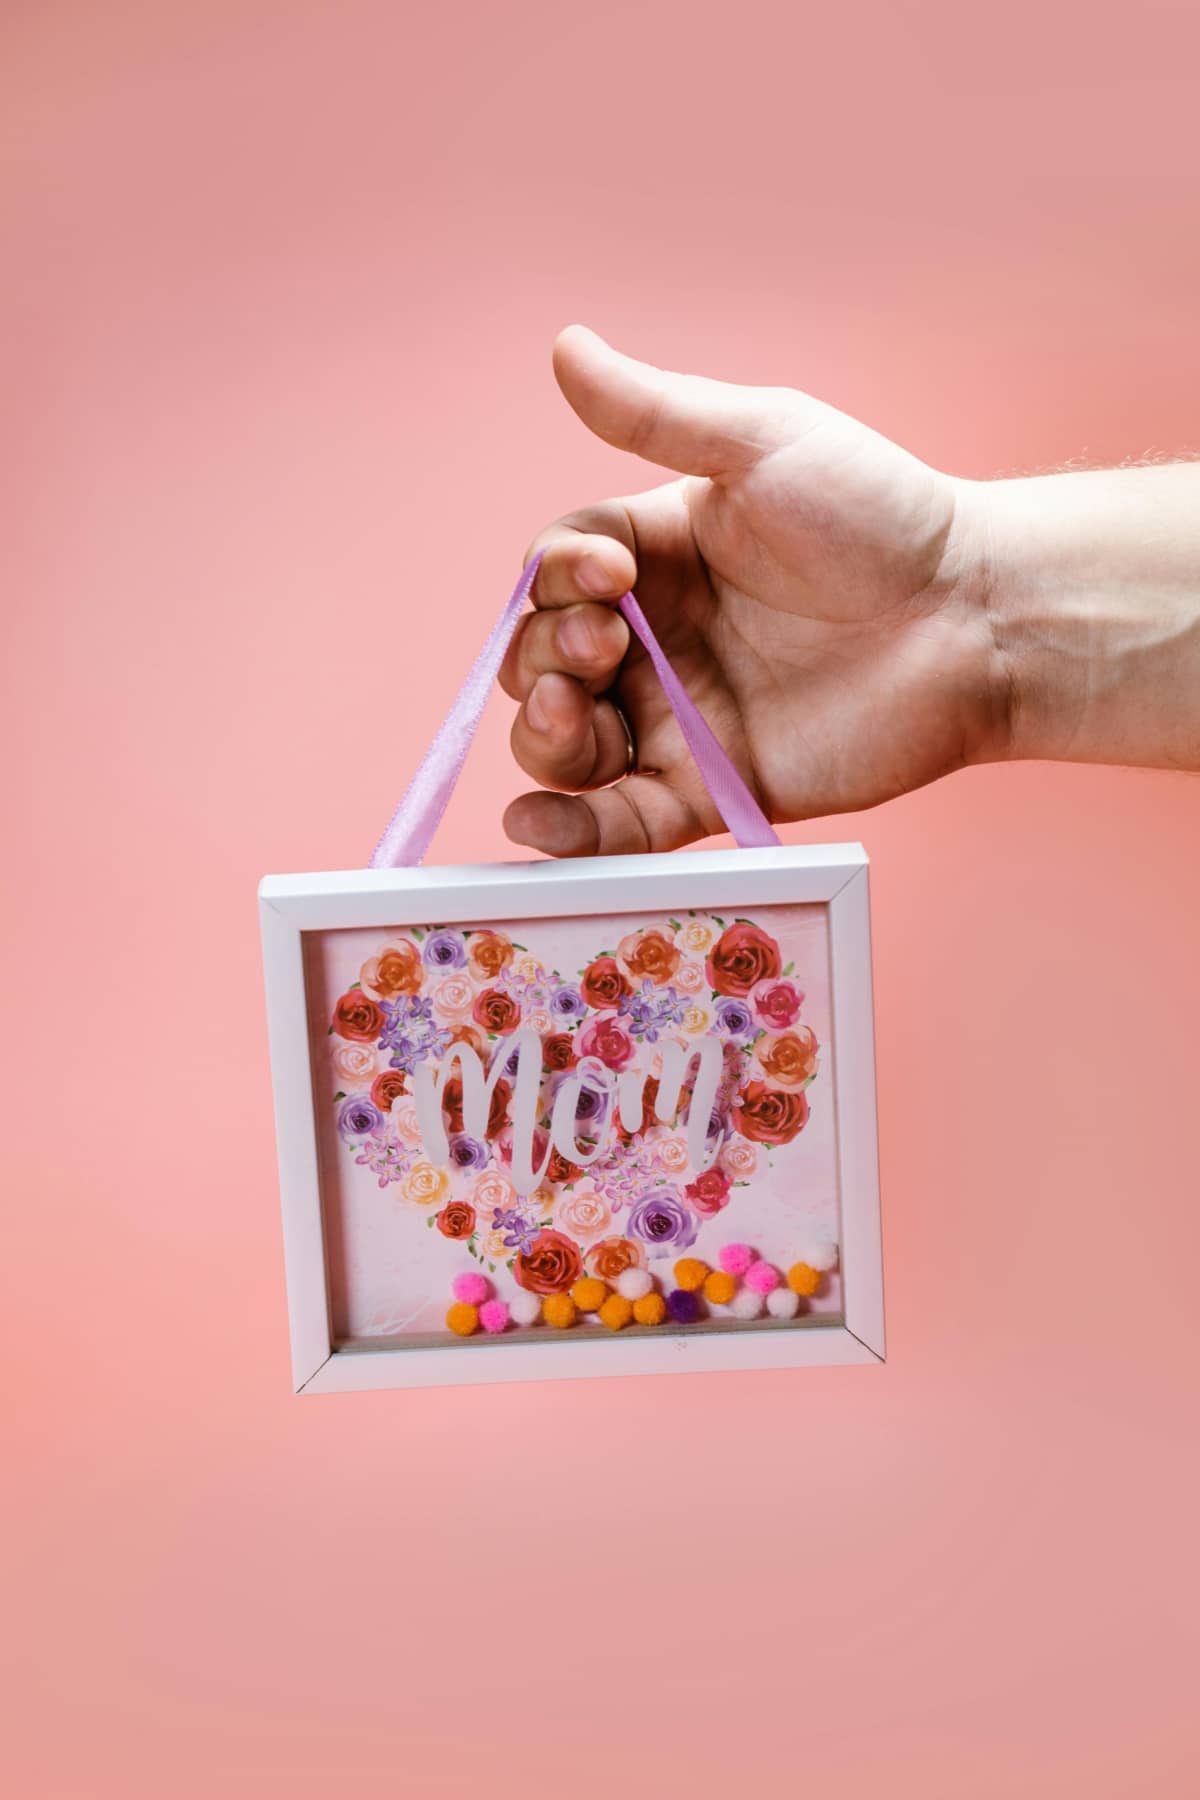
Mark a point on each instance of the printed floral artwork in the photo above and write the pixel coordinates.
(677, 979)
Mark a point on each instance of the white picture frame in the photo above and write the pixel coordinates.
(835, 876)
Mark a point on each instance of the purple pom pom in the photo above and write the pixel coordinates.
(683, 1307)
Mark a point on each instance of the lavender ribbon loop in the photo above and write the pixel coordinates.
(412, 825)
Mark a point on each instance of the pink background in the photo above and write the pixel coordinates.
(282, 283)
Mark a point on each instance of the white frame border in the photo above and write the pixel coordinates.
(832, 874)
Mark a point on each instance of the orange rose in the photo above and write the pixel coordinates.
(396, 970)
(551, 1264)
(791, 1058)
(452, 1100)
(768, 1115)
(612, 1256)
(602, 984)
(496, 1011)
(741, 956)
(649, 953)
(357, 1017)
(488, 952)
(456, 1219)
(387, 1087)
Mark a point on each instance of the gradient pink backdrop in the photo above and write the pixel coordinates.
(282, 280)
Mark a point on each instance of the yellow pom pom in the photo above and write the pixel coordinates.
(720, 1288)
(588, 1294)
(463, 1319)
(558, 1310)
(802, 1280)
(690, 1273)
(616, 1312)
(651, 1309)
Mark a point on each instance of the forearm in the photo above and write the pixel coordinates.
(1091, 584)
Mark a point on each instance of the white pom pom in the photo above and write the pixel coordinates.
(782, 1303)
(821, 1257)
(525, 1309)
(632, 1284)
(746, 1304)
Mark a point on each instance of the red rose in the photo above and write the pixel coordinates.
(649, 1102)
(452, 1101)
(386, 1087)
(456, 1219)
(558, 1169)
(741, 956)
(767, 1115)
(603, 985)
(358, 1018)
(709, 1192)
(551, 1264)
(496, 1011)
(558, 1052)
(604, 1038)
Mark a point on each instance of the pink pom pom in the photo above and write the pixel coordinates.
(472, 1290)
(735, 1259)
(493, 1314)
(762, 1277)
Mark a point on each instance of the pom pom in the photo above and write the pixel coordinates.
(683, 1304)
(634, 1283)
(690, 1273)
(746, 1304)
(493, 1315)
(782, 1303)
(462, 1319)
(735, 1259)
(803, 1279)
(471, 1289)
(720, 1287)
(558, 1310)
(588, 1294)
(821, 1257)
(616, 1312)
(650, 1309)
(762, 1277)
(526, 1309)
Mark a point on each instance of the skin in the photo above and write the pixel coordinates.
(852, 623)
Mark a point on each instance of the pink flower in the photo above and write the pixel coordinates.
(606, 1039)
(777, 1003)
(689, 978)
(453, 998)
(583, 1214)
(709, 1192)
(739, 1159)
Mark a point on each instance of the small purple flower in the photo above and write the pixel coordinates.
(386, 1159)
(410, 1034)
(567, 1004)
(735, 1017)
(518, 1231)
(445, 950)
(358, 1117)
(663, 1222)
(467, 1152)
(654, 1011)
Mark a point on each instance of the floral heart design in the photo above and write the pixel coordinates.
(673, 980)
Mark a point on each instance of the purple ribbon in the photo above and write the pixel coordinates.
(412, 825)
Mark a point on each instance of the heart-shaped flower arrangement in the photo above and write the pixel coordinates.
(677, 980)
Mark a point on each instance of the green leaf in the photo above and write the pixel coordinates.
(790, 968)
(743, 921)
(417, 932)
(339, 1096)
(675, 924)
(524, 948)
(491, 1268)
(429, 1222)
(717, 920)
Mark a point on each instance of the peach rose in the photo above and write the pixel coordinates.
(396, 970)
(424, 1185)
(790, 1058)
(696, 1020)
(493, 1192)
(405, 1123)
(649, 953)
(739, 1159)
(612, 1256)
(671, 1154)
(583, 1214)
(530, 969)
(539, 1020)
(453, 998)
(694, 935)
(689, 978)
(354, 1064)
(488, 952)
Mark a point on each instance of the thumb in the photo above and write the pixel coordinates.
(682, 422)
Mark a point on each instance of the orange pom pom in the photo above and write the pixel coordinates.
(802, 1280)
(616, 1312)
(588, 1294)
(650, 1309)
(719, 1288)
(690, 1274)
(462, 1319)
(558, 1310)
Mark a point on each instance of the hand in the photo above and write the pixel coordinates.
(815, 587)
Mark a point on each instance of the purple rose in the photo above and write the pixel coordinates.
(467, 1152)
(358, 1117)
(735, 1017)
(567, 1003)
(591, 1101)
(445, 950)
(662, 1221)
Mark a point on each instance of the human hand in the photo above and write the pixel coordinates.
(816, 588)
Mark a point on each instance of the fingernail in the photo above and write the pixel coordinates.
(575, 638)
(592, 576)
(537, 713)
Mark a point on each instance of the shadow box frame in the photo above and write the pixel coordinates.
(834, 875)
